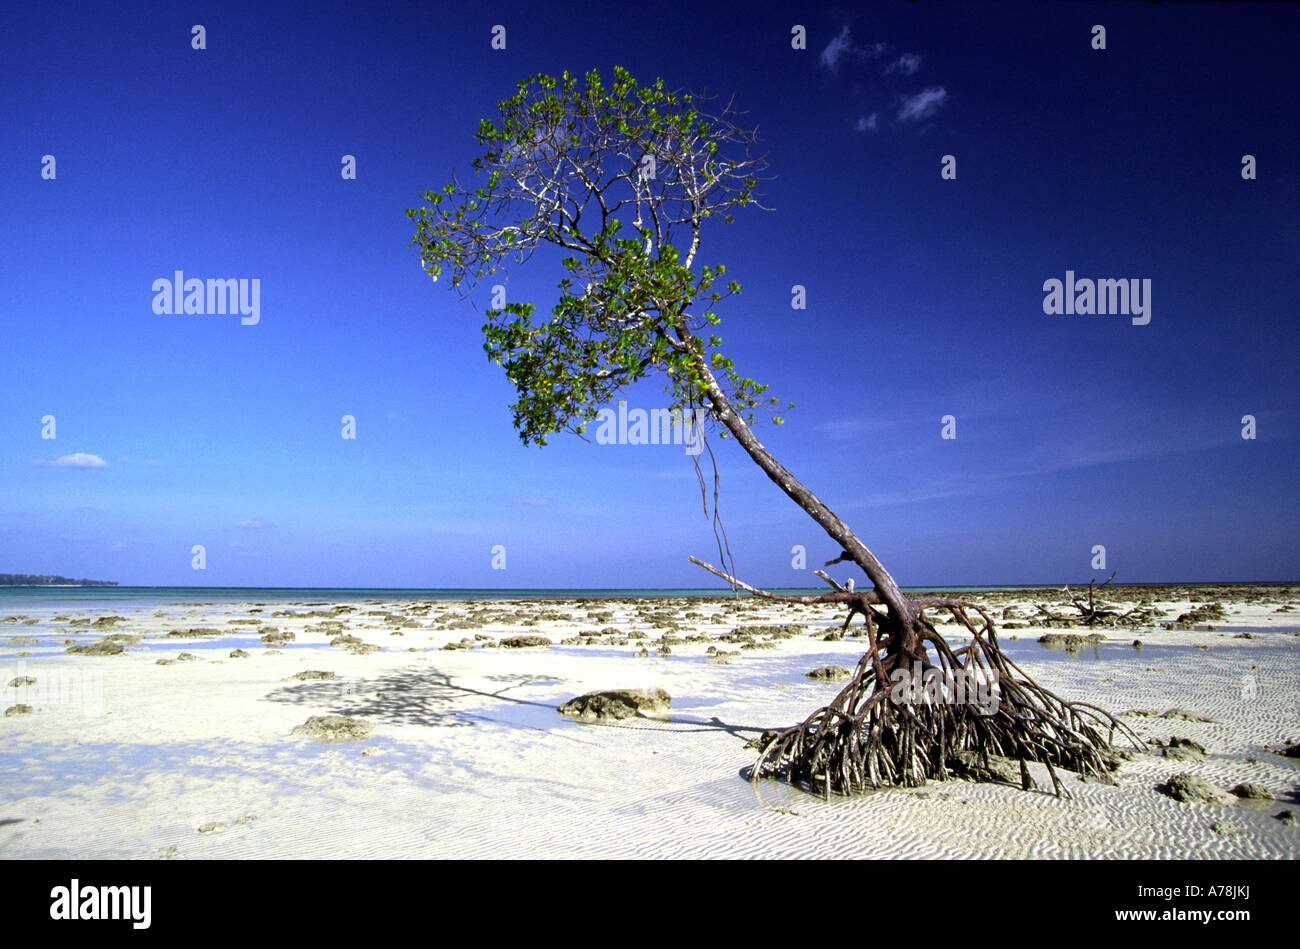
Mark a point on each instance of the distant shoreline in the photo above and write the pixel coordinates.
(14, 597)
(678, 591)
(34, 580)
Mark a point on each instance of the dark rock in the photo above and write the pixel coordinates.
(972, 766)
(1183, 715)
(312, 675)
(102, 648)
(1070, 642)
(18, 710)
(1252, 792)
(1190, 789)
(334, 729)
(1184, 749)
(523, 642)
(829, 673)
(618, 704)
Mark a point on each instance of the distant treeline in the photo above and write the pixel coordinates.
(31, 580)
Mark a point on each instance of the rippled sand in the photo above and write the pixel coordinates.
(122, 756)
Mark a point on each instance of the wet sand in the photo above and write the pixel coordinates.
(174, 748)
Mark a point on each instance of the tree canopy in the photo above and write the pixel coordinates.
(622, 178)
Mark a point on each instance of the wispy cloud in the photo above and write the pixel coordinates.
(842, 47)
(905, 65)
(252, 523)
(865, 125)
(78, 460)
(922, 105)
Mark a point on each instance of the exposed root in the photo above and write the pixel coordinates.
(917, 709)
(904, 719)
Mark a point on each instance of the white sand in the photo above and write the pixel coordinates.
(470, 759)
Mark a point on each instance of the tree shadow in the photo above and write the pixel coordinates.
(429, 697)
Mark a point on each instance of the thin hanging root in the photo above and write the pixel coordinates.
(872, 735)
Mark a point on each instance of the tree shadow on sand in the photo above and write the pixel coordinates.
(429, 697)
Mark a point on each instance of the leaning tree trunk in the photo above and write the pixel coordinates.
(908, 713)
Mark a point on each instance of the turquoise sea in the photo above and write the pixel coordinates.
(18, 598)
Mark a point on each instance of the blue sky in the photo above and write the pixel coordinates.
(924, 296)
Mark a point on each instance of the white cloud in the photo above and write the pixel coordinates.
(841, 45)
(78, 460)
(865, 125)
(252, 522)
(922, 105)
(906, 64)
(836, 50)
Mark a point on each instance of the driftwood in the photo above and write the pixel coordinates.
(1093, 612)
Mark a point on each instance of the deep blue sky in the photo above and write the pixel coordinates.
(924, 296)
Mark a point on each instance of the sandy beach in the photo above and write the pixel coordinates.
(183, 745)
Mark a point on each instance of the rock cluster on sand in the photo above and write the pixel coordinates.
(521, 642)
(618, 704)
(102, 648)
(1071, 642)
(1184, 749)
(1190, 789)
(1174, 714)
(334, 729)
(829, 673)
(309, 675)
(971, 765)
(1252, 792)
